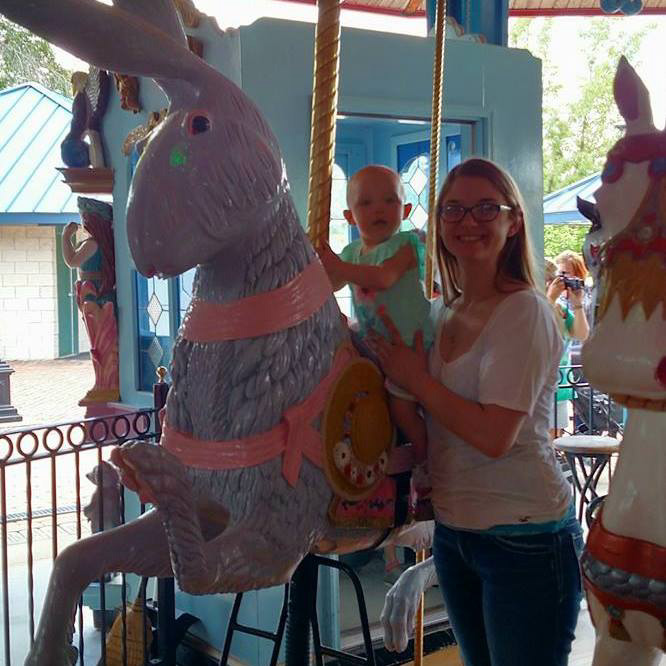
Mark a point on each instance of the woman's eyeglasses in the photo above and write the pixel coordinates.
(481, 212)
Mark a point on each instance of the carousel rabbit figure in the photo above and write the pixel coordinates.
(624, 564)
(267, 389)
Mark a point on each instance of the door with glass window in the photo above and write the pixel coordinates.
(403, 145)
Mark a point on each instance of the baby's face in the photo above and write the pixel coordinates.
(376, 205)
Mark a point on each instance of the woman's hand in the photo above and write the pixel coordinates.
(402, 365)
(70, 229)
(580, 329)
(575, 298)
(555, 289)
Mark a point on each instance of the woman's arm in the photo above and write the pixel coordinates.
(74, 257)
(580, 329)
(489, 428)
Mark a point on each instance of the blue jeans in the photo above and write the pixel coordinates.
(511, 600)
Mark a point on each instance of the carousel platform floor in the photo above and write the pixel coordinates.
(19, 614)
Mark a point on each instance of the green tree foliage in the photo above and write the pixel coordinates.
(581, 122)
(560, 237)
(579, 129)
(25, 57)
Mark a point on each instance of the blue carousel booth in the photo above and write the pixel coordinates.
(385, 97)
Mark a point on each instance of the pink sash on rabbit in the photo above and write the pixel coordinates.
(260, 314)
(294, 437)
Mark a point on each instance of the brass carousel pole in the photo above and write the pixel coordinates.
(435, 130)
(324, 108)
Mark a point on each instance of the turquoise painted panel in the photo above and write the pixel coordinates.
(391, 75)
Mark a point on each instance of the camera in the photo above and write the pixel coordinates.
(572, 283)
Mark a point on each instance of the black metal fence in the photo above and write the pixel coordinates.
(589, 411)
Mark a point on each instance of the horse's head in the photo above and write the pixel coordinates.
(626, 353)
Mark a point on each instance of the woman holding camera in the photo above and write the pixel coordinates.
(564, 288)
(567, 294)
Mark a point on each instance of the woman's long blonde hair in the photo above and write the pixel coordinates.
(515, 262)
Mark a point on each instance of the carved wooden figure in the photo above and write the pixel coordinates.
(266, 381)
(624, 564)
(91, 96)
(94, 257)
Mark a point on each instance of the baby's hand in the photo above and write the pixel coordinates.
(331, 262)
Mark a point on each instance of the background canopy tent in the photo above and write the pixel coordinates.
(560, 207)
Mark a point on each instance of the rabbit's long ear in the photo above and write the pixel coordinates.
(161, 13)
(113, 38)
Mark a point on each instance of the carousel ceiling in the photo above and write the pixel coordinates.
(516, 7)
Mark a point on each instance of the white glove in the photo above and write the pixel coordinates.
(417, 536)
(402, 601)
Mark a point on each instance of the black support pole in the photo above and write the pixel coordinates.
(166, 596)
(302, 599)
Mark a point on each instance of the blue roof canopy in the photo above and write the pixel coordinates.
(33, 123)
(560, 207)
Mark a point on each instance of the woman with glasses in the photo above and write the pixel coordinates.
(506, 539)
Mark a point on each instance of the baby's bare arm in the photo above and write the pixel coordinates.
(379, 277)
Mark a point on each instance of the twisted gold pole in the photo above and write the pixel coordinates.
(435, 128)
(324, 107)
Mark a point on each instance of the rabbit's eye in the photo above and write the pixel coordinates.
(199, 124)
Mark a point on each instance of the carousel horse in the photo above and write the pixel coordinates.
(271, 416)
(624, 564)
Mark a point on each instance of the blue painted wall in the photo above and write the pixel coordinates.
(489, 18)
(391, 75)
(381, 74)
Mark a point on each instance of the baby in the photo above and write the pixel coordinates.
(383, 269)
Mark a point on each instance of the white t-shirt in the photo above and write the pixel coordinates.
(514, 364)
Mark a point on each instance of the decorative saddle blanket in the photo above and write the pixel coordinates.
(624, 573)
(343, 426)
